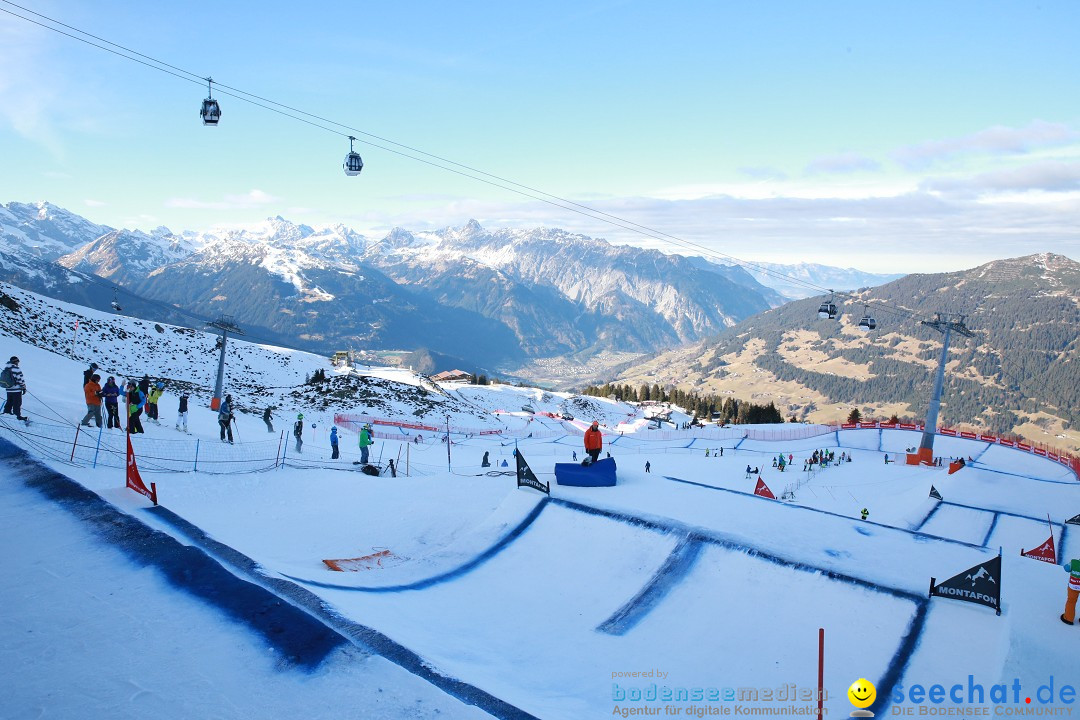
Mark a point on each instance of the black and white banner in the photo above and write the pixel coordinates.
(980, 584)
(1074, 520)
(525, 476)
(934, 493)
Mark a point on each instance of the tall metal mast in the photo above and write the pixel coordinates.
(226, 325)
(945, 324)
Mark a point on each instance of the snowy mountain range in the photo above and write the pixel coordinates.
(481, 297)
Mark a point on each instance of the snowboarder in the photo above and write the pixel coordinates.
(748, 470)
(224, 418)
(1073, 568)
(92, 393)
(575, 456)
(334, 455)
(594, 441)
(864, 512)
(111, 394)
(88, 373)
(706, 452)
(721, 451)
(152, 398)
(485, 462)
(181, 414)
(135, 402)
(298, 432)
(365, 441)
(12, 379)
(267, 417)
(647, 466)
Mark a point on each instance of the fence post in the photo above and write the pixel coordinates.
(284, 450)
(196, 468)
(74, 442)
(278, 453)
(97, 449)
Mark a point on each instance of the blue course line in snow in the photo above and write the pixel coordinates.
(741, 440)
(677, 565)
(983, 468)
(900, 659)
(880, 438)
(933, 511)
(446, 576)
(916, 533)
(361, 635)
(301, 639)
(991, 510)
(719, 540)
(990, 532)
(982, 452)
(304, 638)
(1061, 541)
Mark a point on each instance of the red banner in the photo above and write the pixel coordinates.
(988, 438)
(134, 480)
(1023, 446)
(887, 426)
(1053, 455)
(763, 490)
(1006, 443)
(1044, 552)
(946, 431)
(908, 426)
(968, 435)
(1040, 451)
(849, 426)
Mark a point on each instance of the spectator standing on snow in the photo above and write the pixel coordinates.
(485, 462)
(365, 441)
(647, 466)
(111, 394)
(144, 386)
(11, 377)
(92, 393)
(334, 443)
(1073, 568)
(224, 418)
(89, 373)
(594, 441)
(298, 432)
(181, 413)
(267, 417)
(152, 398)
(135, 402)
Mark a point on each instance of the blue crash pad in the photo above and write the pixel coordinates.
(600, 474)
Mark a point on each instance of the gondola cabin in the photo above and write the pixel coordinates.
(827, 310)
(211, 112)
(353, 164)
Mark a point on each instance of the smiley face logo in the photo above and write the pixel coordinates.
(862, 693)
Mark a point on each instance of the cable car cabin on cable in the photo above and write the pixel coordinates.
(867, 322)
(211, 112)
(827, 310)
(353, 164)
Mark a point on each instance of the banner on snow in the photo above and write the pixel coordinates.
(526, 477)
(1074, 520)
(763, 490)
(980, 584)
(934, 493)
(1046, 551)
(134, 480)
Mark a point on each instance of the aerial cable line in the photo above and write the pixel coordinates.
(436, 160)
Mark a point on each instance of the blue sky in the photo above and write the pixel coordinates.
(886, 136)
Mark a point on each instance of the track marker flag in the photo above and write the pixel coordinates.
(1044, 552)
(526, 477)
(134, 480)
(980, 584)
(763, 490)
(934, 493)
(1074, 520)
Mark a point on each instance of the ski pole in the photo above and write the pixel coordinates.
(235, 425)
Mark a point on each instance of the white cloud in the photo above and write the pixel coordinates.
(842, 164)
(997, 140)
(246, 201)
(1038, 178)
(94, 203)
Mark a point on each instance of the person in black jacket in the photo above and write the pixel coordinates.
(225, 418)
(181, 414)
(298, 432)
(88, 373)
(267, 417)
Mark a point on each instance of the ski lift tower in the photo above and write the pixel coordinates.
(226, 325)
(945, 324)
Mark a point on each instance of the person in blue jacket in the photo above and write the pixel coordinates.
(334, 443)
(224, 418)
(111, 395)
